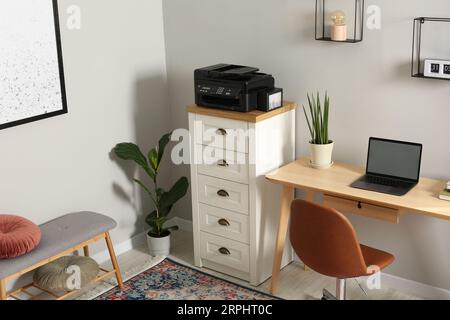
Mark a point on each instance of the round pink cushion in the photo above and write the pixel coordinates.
(17, 236)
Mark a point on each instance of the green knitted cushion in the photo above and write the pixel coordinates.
(59, 275)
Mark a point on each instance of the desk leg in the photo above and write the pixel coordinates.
(309, 196)
(285, 208)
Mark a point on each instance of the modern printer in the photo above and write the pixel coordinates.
(236, 88)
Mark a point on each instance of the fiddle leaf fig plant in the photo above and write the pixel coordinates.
(162, 200)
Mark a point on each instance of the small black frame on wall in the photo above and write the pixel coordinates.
(358, 27)
(417, 67)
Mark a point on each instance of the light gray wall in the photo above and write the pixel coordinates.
(117, 91)
(371, 91)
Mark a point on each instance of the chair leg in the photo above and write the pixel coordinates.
(3, 295)
(327, 295)
(86, 251)
(340, 289)
(112, 254)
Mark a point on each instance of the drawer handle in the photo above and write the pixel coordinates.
(221, 132)
(224, 222)
(359, 205)
(222, 163)
(223, 193)
(224, 251)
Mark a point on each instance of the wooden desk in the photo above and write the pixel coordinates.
(335, 182)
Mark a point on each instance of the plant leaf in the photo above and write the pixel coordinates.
(153, 159)
(151, 219)
(172, 228)
(165, 139)
(168, 199)
(164, 212)
(130, 151)
(313, 119)
(318, 123)
(143, 186)
(326, 115)
(155, 223)
(309, 124)
(159, 192)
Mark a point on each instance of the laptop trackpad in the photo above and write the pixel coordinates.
(361, 184)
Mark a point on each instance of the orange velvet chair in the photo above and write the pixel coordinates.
(325, 240)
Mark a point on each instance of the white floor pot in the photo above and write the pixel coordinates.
(158, 246)
(321, 155)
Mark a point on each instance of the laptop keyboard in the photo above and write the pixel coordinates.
(385, 181)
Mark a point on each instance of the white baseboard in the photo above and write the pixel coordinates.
(185, 225)
(139, 240)
(127, 245)
(418, 289)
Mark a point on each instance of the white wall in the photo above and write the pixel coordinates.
(371, 91)
(117, 91)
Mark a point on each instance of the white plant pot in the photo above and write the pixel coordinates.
(158, 246)
(321, 155)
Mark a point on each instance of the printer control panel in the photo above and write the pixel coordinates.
(218, 90)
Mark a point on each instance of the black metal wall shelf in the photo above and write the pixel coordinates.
(358, 28)
(346, 41)
(416, 63)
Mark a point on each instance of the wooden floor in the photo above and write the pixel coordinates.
(295, 283)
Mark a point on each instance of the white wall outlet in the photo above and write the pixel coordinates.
(437, 68)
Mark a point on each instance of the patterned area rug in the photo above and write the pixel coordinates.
(170, 280)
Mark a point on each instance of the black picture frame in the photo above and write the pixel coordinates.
(64, 109)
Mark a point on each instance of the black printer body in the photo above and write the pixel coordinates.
(230, 87)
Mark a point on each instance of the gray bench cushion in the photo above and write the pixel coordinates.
(59, 235)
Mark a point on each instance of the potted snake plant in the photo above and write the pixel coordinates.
(320, 144)
(158, 236)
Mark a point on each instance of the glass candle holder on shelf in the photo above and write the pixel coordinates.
(339, 26)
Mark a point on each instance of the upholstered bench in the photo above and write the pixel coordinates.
(61, 237)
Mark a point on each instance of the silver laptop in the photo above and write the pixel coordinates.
(393, 167)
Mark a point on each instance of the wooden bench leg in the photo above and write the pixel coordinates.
(3, 289)
(112, 254)
(86, 251)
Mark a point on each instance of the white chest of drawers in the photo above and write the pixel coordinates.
(235, 210)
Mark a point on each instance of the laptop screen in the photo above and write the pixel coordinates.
(394, 158)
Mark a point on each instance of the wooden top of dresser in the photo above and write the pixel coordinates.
(253, 116)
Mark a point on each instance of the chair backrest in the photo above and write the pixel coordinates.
(325, 240)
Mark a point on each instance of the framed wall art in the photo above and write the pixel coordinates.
(31, 66)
